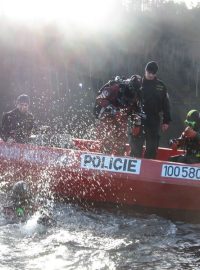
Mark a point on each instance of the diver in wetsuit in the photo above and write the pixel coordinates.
(189, 140)
(21, 205)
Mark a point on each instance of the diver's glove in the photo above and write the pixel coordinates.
(110, 110)
(136, 130)
(189, 133)
(174, 144)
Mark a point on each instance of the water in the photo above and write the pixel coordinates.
(99, 238)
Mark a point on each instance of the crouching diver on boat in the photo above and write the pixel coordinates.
(18, 123)
(115, 101)
(21, 205)
(189, 140)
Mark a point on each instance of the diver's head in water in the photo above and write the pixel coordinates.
(21, 193)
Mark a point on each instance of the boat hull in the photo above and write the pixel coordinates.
(84, 175)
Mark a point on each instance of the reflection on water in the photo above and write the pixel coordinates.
(99, 239)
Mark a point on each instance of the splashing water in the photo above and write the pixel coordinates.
(99, 239)
(32, 226)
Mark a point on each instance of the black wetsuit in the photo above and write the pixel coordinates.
(192, 150)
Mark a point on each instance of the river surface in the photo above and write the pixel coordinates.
(99, 238)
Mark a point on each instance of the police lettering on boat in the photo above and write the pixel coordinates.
(110, 163)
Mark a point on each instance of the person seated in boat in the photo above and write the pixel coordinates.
(18, 123)
(189, 140)
(21, 205)
(115, 101)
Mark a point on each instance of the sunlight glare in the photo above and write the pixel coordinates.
(90, 13)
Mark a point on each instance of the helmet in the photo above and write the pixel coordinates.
(20, 192)
(135, 81)
(132, 84)
(193, 119)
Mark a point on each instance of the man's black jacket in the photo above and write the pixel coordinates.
(17, 125)
(156, 101)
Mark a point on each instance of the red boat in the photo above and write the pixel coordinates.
(86, 174)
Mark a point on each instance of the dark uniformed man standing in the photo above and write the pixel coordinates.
(18, 123)
(156, 103)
